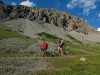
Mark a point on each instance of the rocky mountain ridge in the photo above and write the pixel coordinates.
(51, 16)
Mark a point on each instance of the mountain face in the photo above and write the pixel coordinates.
(60, 19)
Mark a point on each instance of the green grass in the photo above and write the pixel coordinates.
(6, 34)
(73, 48)
(74, 40)
(76, 52)
(48, 37)
(94, 49)
(72, 66)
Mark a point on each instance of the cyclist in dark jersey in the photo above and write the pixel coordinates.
(60, 48)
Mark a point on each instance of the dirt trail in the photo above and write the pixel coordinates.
(85, 51)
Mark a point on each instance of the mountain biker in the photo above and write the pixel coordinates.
(60, 46)
(44, 48)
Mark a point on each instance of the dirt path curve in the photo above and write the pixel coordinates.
(85, 51)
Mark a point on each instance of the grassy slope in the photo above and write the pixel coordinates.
(65, 65)
(5, 34)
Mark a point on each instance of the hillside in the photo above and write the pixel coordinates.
(22, 31)
(31, 21)
(31, 28)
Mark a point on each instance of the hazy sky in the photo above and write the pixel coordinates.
(86, 9)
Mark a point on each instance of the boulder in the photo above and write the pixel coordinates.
(83, 59)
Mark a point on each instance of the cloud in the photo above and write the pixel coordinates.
(86, 5)
(99, 15)
(72, 4)
(13, 3)
(98, 29)
(28, 3)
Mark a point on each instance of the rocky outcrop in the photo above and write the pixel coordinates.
(57, 18)
(1, 10)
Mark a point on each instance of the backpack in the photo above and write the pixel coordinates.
(44, 46)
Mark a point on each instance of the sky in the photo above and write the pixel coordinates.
(89, 10)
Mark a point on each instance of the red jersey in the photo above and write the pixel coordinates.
(44, 45)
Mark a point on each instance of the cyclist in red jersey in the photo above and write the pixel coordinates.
(44, 48)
